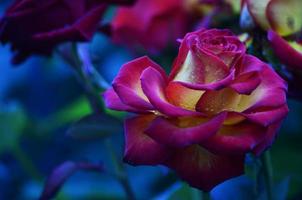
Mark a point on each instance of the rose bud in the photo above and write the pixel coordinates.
(282, 16)
(217, 104)
(35, 27)
(152, 24)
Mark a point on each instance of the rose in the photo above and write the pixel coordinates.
(283, 16)
(290, 54)
(217, 104)
(153, 28)
(34, 26)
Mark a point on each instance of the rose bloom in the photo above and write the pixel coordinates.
(35, 26)
(216, 105)
(152, 24)
(283, 20)
(289, 52)
(283, 16)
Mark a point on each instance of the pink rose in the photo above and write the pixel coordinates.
(283, 16)
(217, 104)
(290, 54)
(153, 28)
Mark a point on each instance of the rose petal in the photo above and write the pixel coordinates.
(138, 143)
(246, 83)
(271, 86)
(267, 117)
(184, 131)
(112, 101)
(236, 138)
(285, 16)
(127, 83)
(257, 9)
(153, 85)
(201, 68)
(213, 102)
(268, 139)
(286, 53)
(154, 28)
(83, 29)
(182, 96)
(204, 170)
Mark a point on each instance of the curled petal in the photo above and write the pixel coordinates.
(267, 117)
(140, 148)
(204, 170)
(236, 138)
(268, 138)
(153, 85)
(182, 96)
(285, 52)
(285, 16)
(257, 9)
(271, 92)
(127, 84)
(200, 69)
(211, 86)
(213, 102)
(182, 132)
(246, 83)
(112, 101)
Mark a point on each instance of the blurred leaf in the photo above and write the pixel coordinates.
(12, 124)
(281, 189)
(287, 161)
(61, 173)
(95, 126)
(241, 187)
(179, 191)
(74, 111)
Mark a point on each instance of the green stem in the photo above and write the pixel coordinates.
(268, 173)
(26, 163)
(120, 172)
(206, 196)
(94, 83)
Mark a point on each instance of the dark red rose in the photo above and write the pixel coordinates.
(35, 26)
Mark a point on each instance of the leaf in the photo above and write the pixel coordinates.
(61, 173)
(12, 123)
(95, 126)
(179, 191)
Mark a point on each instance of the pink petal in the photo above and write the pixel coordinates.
(236, 138)
(246, 83)
(112, 101)
(287, 54)
(182, 132)
(153, 84)
(267, 117)
(140, 148)
(268, 138)
(127, 84)
(182, 96)
(204, 170)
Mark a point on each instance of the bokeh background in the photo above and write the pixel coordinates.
(41, 100)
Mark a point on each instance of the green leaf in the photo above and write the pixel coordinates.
(12, 124)
(95, 126)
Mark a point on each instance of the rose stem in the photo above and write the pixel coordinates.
(94, 83)
(26, 162)
(120, 171)
(206, 196)
(268, 173)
